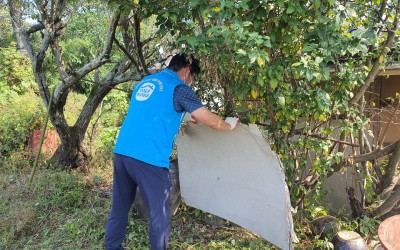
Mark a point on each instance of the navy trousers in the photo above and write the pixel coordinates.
(154, 184)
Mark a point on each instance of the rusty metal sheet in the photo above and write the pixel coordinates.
(236, 176)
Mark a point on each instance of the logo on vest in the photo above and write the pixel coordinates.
(145, 91)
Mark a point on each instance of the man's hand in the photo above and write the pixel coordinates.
(233, 121)
(214, 121)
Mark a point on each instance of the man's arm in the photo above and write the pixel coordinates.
(212, 120)
(186, 100)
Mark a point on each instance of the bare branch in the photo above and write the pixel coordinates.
(130, 57)
(58, 59)
(102, 89)
(139, 44)
(332, 139)
(390, 170)
(388, 205)
(381, 12)
(34, 28)
(376, 154)
(371, 156)
(389, 123)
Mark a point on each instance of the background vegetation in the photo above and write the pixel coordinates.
(300, 70)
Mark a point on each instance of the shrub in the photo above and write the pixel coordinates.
(19, 116)
(15, 71)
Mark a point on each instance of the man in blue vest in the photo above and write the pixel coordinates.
(144, 145)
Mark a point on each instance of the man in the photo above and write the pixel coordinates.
(145, 143)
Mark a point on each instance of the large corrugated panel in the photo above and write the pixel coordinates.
(236, 176)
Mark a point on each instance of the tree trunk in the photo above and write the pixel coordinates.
(71, 152)
(16, 25)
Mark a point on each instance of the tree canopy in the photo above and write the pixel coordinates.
(300, 70)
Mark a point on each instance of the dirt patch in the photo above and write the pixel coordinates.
(50, 142)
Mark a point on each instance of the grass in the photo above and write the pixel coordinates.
(68, 210)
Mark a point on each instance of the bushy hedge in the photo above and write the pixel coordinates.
(20, 114)
(15, 72)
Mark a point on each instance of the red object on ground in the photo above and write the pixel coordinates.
(389, 233)
(50, 142)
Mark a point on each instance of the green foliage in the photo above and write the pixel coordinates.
(106, 122)
(324, 244)
(316, 211)
(366, 226)
(6, 28)
(84, 39)
(137, 234)
(58, 191)
(73, 107)
(16, 74)
(21, 114)
(58, 211)
(62, 210)
(290, 66)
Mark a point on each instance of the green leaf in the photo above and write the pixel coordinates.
(273, 84)
(267, 42)
(352, 50)
(296, 64)
(260, 80)
(193, 3)
(324, 100)
(291, 9)
(362, 48)
(246, 24)
(241, 52)
(281, 100)
(351, 12)
(253, 55)
(317, 3)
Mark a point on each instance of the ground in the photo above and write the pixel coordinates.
(68, 210)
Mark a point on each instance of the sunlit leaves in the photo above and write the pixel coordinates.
(260, 80)
(217, 9)
(323, 100)
(273, 83)
(291, 65)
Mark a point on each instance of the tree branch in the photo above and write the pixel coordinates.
(332, 139)
(380, 14)
(388, 204)
(34, 28)
(139, 44)
(95, 63)
(376, 67)
(371, 156)
(100, 91)
(130, 57)
(390, 170)
(21, 37)
(376, 154)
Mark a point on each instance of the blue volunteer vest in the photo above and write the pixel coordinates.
(150, 127)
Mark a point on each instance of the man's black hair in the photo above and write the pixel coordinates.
(194, 66)
(180, 61)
